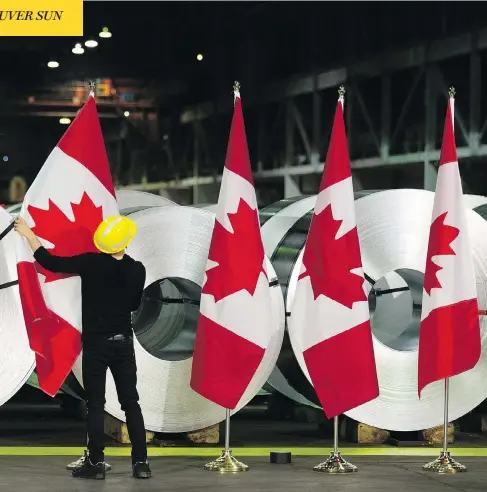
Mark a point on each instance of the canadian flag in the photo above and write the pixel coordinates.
(449, 337)
(235, 323)
(69, 198)
(329, 325)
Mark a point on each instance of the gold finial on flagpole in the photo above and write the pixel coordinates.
(341, 91)
(452, 91)
(236, 91)
(92, 87)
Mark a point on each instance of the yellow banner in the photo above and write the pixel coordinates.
(41, 18)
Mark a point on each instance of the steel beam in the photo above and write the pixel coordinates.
(316, 112)
(291, 186)
(298, 120)
(142, 104)
(385, 117)
(367, 118)
(400, 60)
(475, 91)
(290, 124)
(284, 126)
(55, 114)
(261, 139)
(196, 164)
(349, 111)
(407, 104)
(429, 170)
(412, 158)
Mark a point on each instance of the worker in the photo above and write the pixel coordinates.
(112, 284)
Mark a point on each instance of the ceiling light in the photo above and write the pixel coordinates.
(91, 43)
(199, 57)
(105, 33)
(126, 114)
(78, 49)
(53, 64)
(64, 121)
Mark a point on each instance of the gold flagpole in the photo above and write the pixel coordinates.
(227, 463)
(92, 86)
(445, 463)
(335, 463)
(236, 90)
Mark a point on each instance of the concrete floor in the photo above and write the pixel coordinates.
(47, 474)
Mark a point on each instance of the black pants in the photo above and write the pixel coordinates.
(119, 357)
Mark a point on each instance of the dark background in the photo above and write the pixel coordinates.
(152, 56)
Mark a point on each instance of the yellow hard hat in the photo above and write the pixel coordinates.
(114, 234)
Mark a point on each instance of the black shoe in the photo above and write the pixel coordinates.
(141, 470)
(90, 471)
(79, 462)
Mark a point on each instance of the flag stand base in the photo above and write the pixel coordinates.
(335, 464)
(226, 463)
(445, 464)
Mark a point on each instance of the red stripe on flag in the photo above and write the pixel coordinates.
(449, 342)
(56, 342)
(223, 363)
(60, 355)
(90, 149)
(34, 307)
(341, 366)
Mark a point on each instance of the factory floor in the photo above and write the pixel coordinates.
(37, 441)
(47, 474)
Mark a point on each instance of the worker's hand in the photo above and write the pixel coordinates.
(20, 226)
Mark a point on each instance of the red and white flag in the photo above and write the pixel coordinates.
(449, 337)
(235, 323)
(329, 324)
(69, 198)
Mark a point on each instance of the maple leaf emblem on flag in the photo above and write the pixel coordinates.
(69, 237)
(240, 255)
(441, 237)
(330, 274)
